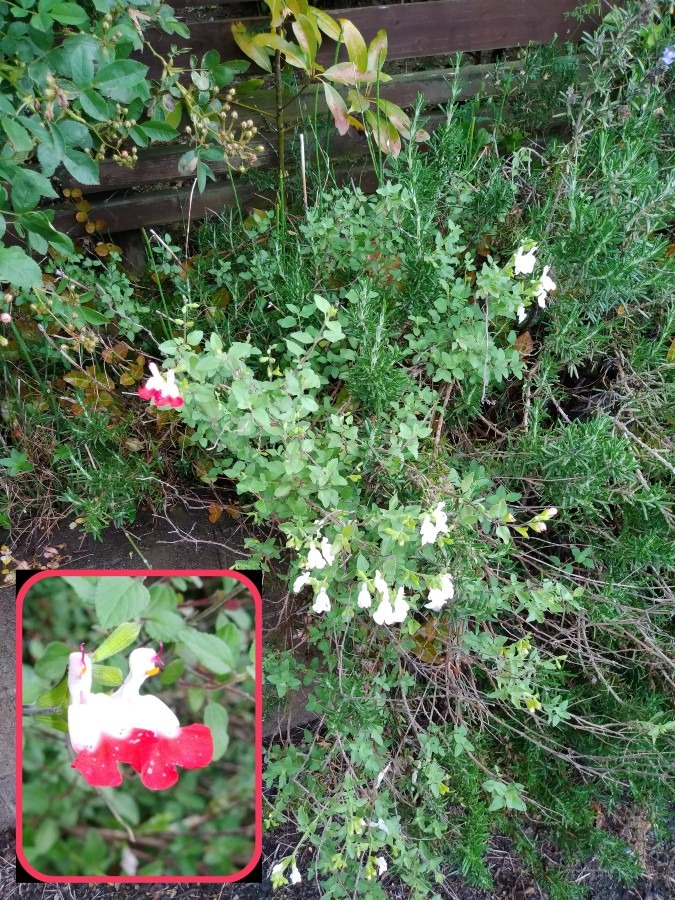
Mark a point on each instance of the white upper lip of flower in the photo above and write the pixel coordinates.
(90, 716)
(364, 598)
(439, 596)
(525, 262)
(433, 524)
(386, 614)
(321, 601)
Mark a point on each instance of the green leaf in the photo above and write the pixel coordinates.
(47, 832)
(165, 626)
(117, 78)
(162, 596)
(321, 304)
(83, 585)
(377, 51)
(53, 661)
(93, 317)
(158, 131)
(209, 650)
(225, 73)
(81, 64)
(19, 138)
(108, 676)
(83, 168)
(327, 24)
(56, 696)
(118, 599)
(121, 638)
(68, 14)
(173, 671)
(28, 187)
(18, 269)
(293, 54)
(37, 223)
(217, 719)
(356, 46)
(307, 37)
(244, 40)
(384, 132)
(94, 105)
(396, 116)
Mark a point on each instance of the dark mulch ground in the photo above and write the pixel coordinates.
(512, 882)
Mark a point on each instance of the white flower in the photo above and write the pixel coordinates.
(545, 285)
(538, 526)
(278, 869)
(433, 524)
(401, 607)
(428, 531)
(301, 581)
(364, 599)
(440, 518)
(521, 313)
(164, 391)
(525, 262)
(381, 864)
(551, 511)
(296, 877)
(439, 596)
(327, 551)
(381, 585)
(384, 613)
(380, 824)
(314, 558)
(321, 602)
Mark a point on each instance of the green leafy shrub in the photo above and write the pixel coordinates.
(203, 825)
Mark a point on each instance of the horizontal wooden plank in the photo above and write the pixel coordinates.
(183, 204)
(160, 165)
(431, 28)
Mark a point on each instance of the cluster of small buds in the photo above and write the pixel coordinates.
(5, 315)
(126, 158)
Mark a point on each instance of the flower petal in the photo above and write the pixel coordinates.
(99, 767)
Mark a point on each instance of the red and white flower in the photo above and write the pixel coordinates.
(164, 391)
(131, 728)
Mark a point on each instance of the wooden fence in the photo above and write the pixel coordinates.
(414, 30)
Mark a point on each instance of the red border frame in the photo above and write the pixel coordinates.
(142, 879)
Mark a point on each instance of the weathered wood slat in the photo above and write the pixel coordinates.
(414, 29)
(182, 204)
(160, 164)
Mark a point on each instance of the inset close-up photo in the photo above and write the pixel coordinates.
(139, 748)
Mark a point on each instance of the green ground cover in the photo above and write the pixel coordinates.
(469, 472)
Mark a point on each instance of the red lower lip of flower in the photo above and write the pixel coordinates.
(149, 393)
(154, 756)
(162, 400)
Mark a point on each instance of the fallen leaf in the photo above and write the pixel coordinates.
(215, 512)
(524, 344)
